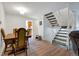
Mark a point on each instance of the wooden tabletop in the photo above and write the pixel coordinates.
(9, 36)
(12, 36)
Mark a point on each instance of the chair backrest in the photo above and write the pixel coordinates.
(2, 33)
(21, 34)
(14, 30)
(29, 31)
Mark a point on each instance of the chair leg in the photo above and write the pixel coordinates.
(5, 48)
(27, 44)
(14, 52)
(13, 49)
(26, 51)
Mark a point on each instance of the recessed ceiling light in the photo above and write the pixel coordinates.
(21, 10)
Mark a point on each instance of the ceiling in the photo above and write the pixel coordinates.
(37, 9)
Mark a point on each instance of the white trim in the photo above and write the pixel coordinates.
(2, 48)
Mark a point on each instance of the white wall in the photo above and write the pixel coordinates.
(14, 21)
(75, 10)
(65, 17)
(41, 27)
(76, 13)
(71, 19)
(2, 17)
(49, 31)
(35, 28)
(77, 21)
(62, 16)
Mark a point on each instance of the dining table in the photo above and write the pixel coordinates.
(11, 39)
(13, 36)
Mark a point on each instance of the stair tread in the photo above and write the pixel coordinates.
(53, 22)
(48, 13)
(62, 32)
(52, 18)
(64, 35)
(62, 38)
(64, 29)
(60, 42)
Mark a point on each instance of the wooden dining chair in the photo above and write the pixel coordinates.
(20, 43)
(3, 33)
(5, 41)
(15, 30)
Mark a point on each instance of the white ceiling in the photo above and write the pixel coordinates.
(37, 9)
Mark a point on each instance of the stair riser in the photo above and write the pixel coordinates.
(61, 43)
(60, 39)
(62, 36)
(48, 14)
(53, 23)
(62, 33)
(51, 18)
(63, 30)
(58, 43)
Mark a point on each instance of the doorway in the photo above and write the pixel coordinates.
(29, 26)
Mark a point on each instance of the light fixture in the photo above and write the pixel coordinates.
(21, 10)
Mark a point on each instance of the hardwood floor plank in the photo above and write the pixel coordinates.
(44, 48)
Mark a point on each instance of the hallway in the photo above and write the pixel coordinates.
(44, 48)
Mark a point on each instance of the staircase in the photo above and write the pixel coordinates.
(61, 37)
(51, 18)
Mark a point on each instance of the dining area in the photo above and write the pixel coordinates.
(16, 42)
(20, 43)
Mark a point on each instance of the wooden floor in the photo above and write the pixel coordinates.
(44, 48)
